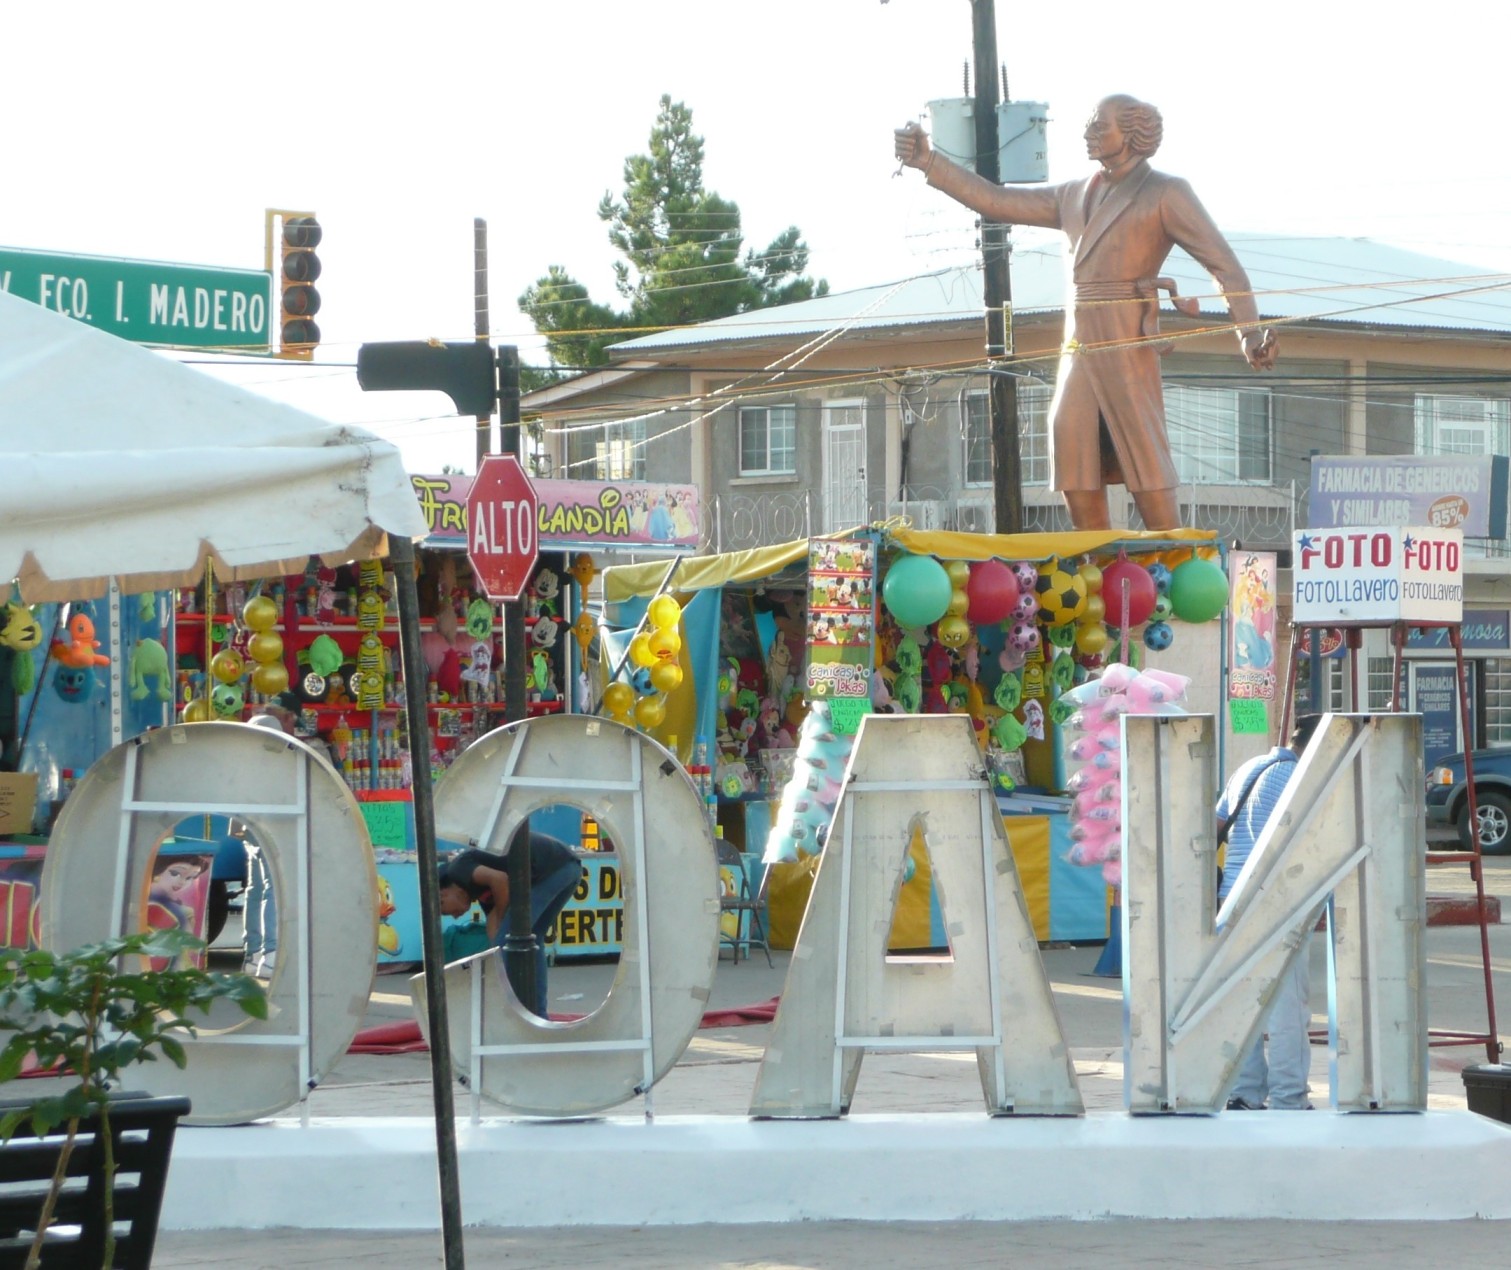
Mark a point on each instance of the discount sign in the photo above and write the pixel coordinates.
(502, 539)
(1367, 577)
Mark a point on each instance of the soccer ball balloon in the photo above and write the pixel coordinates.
(1158, 636)
(1159, 573)
(1024, 636)
(1062, 594)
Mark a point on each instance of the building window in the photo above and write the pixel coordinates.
(768, 440)
(1496, 672)
(1033, 435)
(1219, 436)
(1461, 425)
(619, 454)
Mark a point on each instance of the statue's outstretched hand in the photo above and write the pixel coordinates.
(1261, 350)
(911, 145)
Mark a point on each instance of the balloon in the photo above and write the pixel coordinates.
(959, 603)
(1092, 577)
(1159, 572)
(270, 678)
(640, 681)
(1024, 636)
(959, 574)
(259, 613)
(650, 711)
(1091, 638)
(992, 591)
(1027, 607)
(1163, 609)
(1027, 575)
(1158, 636)
(228, 665)
(916, 591)
(954, 632)
(1198, 590)
(197, 711)
(1140, 588)
(227, 700)
(666, 676)
(664, 612)
(665, 644)
(266, 646)
(617, 698)
(1096, 608)
(640, 650)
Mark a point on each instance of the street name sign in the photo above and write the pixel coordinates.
(145, 301)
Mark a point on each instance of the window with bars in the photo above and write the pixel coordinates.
(1496, 677)
(619, 454)
(1033, 434)
(1462, 425)
(768, 440)
(1220, 436)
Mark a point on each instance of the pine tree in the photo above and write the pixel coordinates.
(682, 261)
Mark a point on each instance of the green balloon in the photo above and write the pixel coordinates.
(1198, 590)
(916, 591)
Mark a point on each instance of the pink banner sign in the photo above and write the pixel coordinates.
(577, 513)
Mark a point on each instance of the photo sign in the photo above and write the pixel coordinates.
(1371, 577)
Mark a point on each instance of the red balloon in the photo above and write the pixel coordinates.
(1142, 592)
(993, 592)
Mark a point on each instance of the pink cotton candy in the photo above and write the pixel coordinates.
(1176, 684)
(1116, 678)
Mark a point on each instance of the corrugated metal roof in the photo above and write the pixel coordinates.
(1350, 281)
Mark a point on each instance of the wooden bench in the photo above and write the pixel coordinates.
(142, 1128)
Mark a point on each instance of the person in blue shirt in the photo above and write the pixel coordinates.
(480, 876)
(1273, 1073)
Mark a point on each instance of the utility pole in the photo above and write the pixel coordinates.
(996, 250)
(480, 324)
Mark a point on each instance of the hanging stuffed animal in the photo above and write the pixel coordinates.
(19, 628)
(149, 660)
(78, 649)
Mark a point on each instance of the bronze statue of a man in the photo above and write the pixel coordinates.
(1107, 421)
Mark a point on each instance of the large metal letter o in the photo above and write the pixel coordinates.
(639, 794)
(300, 812)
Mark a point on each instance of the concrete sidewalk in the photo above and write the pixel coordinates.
(866, 1245)
(716, 1077)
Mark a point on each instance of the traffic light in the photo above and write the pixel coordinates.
(299, 268)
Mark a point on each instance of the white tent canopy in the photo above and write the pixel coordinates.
(118, 461)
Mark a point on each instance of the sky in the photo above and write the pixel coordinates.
(162, 130)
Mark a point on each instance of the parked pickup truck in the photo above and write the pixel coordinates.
(1448, 798)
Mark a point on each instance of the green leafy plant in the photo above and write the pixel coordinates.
(88, 1013)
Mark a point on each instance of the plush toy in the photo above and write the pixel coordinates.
(480, 619)
(543, 593)
(543, 633)
(19, 628)
(324, 656)
(78, 649)
(448, 679)
(73, 683)
(479, 663)
(149, 660)
(325, 599)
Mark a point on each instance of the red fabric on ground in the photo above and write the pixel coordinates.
(404, 1037)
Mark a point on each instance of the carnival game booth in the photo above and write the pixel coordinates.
(782, 649)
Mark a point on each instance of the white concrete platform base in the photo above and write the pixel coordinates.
(381, 1174)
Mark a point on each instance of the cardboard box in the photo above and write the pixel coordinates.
(18, 802)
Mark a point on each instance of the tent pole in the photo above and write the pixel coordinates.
(401, 552)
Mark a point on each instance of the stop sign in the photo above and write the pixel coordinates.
(501, 527)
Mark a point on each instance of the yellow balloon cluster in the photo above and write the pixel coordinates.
(656, 653)
(270, 676)
(953, 630)
(1091, 634)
